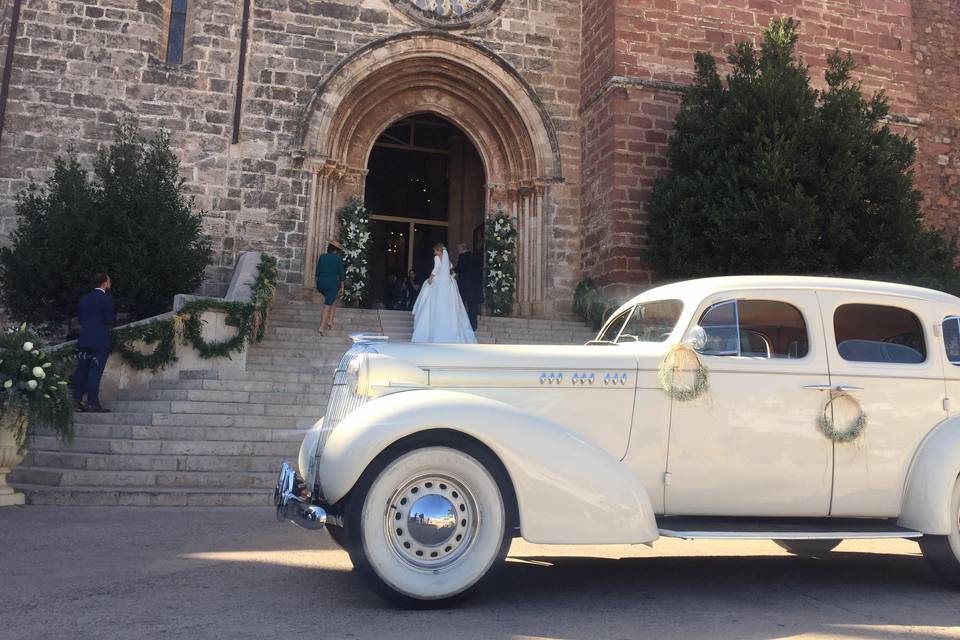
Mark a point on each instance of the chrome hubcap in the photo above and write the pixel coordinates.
(431, 521)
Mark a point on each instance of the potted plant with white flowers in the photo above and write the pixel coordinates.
(34, 393)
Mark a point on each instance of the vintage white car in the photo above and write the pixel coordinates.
(808, 410)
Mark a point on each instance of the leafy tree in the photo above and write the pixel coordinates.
(769, 175)
(132, 220)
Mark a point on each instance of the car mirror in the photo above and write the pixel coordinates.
(696, 338)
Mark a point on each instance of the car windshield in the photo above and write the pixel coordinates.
(651, 321)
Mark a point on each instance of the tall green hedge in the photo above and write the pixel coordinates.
(767, 174)
(133, 219)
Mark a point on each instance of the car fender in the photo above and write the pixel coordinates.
(568, 491)
(933, 474)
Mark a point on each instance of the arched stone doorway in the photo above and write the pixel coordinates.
(425, 184)
(461, 82)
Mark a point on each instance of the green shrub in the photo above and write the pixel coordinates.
(769, 175)
(591, 305)
(132, 220)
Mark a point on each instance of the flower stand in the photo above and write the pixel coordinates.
(9, 458)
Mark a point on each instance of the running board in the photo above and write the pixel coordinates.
(719, 528)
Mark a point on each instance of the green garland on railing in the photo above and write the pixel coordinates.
(238, 314)
(160, 332)
(250, 318)
(262, 293)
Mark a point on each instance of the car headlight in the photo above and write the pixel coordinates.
(358, 375)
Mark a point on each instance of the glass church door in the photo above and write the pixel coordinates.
(390, 250)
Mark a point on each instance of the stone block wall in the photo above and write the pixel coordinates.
(81, 65)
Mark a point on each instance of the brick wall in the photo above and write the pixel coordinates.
(627, 116)
(936, 51)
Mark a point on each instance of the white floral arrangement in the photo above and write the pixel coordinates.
(500, 258)
(355, 238)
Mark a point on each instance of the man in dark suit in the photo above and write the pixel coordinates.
(93, 345)
(470, 282)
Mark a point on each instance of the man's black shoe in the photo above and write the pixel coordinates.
(96, 409)
(78, 406)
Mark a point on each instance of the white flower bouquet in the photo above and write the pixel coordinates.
(355, 238)
(500, 250)
(35, 391)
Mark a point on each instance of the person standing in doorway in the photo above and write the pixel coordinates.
(470, 281)
(330, 275)
(93, 345)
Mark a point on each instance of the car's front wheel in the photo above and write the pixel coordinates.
(943, 552)
(426, 521)
(808, 548)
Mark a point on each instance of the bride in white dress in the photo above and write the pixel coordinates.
(439, 314)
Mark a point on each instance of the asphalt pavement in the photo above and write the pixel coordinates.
(205, 574)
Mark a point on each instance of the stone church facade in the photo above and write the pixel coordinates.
(556, 111)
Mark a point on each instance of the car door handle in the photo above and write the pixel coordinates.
(844, 388)
(818, 387)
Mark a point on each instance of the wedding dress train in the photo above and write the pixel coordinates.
(439, 314)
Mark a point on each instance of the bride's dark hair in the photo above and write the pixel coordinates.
(439, 247)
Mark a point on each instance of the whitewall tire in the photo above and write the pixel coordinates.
(943, 552)
(428, 520)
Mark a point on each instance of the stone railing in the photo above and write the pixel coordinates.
(120, 375)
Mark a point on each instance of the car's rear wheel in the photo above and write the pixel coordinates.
(428, 520)
(943, 552)
(809, 548)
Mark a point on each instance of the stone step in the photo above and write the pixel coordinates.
(193, 433)
(145, 496)
(295, 350)
(248, 386)
(305, 362)
(167, 447)
(169, 479)
(201, 395)
(257, 376)
(234, 420)
(77, 461)
(231, 408)
(296, 319)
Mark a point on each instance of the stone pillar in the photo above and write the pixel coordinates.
(524, 202)
(333, 184)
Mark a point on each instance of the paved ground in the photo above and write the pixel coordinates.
(102, 573)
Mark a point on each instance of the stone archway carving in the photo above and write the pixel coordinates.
(429, 72)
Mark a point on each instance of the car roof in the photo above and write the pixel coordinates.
(703, 287)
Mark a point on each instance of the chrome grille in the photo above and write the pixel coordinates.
(342, 402)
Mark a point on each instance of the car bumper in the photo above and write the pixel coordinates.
(291, 504)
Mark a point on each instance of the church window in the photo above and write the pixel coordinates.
(176, 31)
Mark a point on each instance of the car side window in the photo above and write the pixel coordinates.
(612, 330)
(951, 338)
(878, 333)
(754, 328)
(651, 321)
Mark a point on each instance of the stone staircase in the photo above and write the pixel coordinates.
(217, 437)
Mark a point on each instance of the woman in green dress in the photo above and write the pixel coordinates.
(330, 276)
